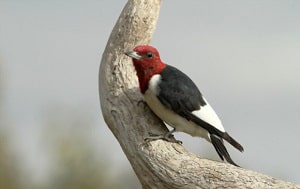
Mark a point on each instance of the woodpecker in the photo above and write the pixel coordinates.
(176, 100)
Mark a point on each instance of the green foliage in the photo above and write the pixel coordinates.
(9, 168)
(75, 161)
(77, 165)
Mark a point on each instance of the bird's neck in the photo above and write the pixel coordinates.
(144, 81)
(145, 74)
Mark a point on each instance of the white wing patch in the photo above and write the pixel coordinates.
(207, 114)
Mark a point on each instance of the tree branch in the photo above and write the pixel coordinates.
(158, 164)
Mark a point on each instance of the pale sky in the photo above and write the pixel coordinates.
(243, 55)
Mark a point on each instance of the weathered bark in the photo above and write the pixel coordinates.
(158, 164)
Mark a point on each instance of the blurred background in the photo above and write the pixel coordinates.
(243, 55)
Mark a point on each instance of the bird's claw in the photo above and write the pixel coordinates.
(169, 138)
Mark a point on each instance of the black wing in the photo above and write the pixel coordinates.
(182, 94)
(183, 97)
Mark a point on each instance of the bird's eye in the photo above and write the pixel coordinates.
(149, 55)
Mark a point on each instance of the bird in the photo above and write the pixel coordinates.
(177, 101)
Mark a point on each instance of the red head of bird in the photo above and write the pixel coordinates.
(147, 63)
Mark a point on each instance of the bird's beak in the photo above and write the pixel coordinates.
(133, 55)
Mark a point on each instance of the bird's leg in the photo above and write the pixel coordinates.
(169, 133)
(167, 136)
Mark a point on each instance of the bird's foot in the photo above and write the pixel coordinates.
(167, 137)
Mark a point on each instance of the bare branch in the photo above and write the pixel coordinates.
(158, 164)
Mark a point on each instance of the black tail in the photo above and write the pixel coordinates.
(221, 150)
(233, 142)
